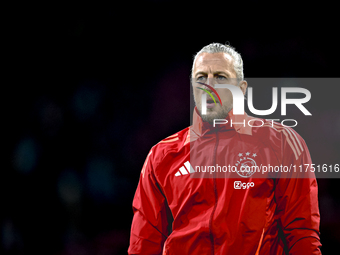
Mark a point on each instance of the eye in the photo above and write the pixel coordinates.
(221, 77)
(200, 78)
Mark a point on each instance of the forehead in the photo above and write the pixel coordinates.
(218, 60)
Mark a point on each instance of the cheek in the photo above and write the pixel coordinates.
(226, 96)
(197, 95)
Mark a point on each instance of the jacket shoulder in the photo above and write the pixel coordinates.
(171, 144)
(280, 137)
(274, 131)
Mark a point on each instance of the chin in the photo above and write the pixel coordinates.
(214, 115)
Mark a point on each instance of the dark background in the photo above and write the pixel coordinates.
(94, 86)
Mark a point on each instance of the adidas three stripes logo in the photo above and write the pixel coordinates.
(185, 170)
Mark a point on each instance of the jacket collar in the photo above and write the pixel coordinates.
(235, 122)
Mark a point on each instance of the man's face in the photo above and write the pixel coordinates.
(211, 69)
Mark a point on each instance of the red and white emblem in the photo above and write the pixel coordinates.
(246, 164)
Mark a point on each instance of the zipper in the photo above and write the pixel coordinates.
(215, 205)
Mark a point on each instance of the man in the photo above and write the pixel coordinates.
(179, 209)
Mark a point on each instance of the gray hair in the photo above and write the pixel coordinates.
(218, 47)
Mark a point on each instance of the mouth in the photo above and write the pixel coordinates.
(211, 103)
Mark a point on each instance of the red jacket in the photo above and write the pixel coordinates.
(181, 208)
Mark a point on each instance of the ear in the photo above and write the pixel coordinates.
(243, 85)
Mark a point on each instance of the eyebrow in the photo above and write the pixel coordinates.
(204, 73)
(222, 72)
(217, 72)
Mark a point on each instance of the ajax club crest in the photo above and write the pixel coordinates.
(246, 164)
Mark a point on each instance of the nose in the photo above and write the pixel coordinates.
(211, 81)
